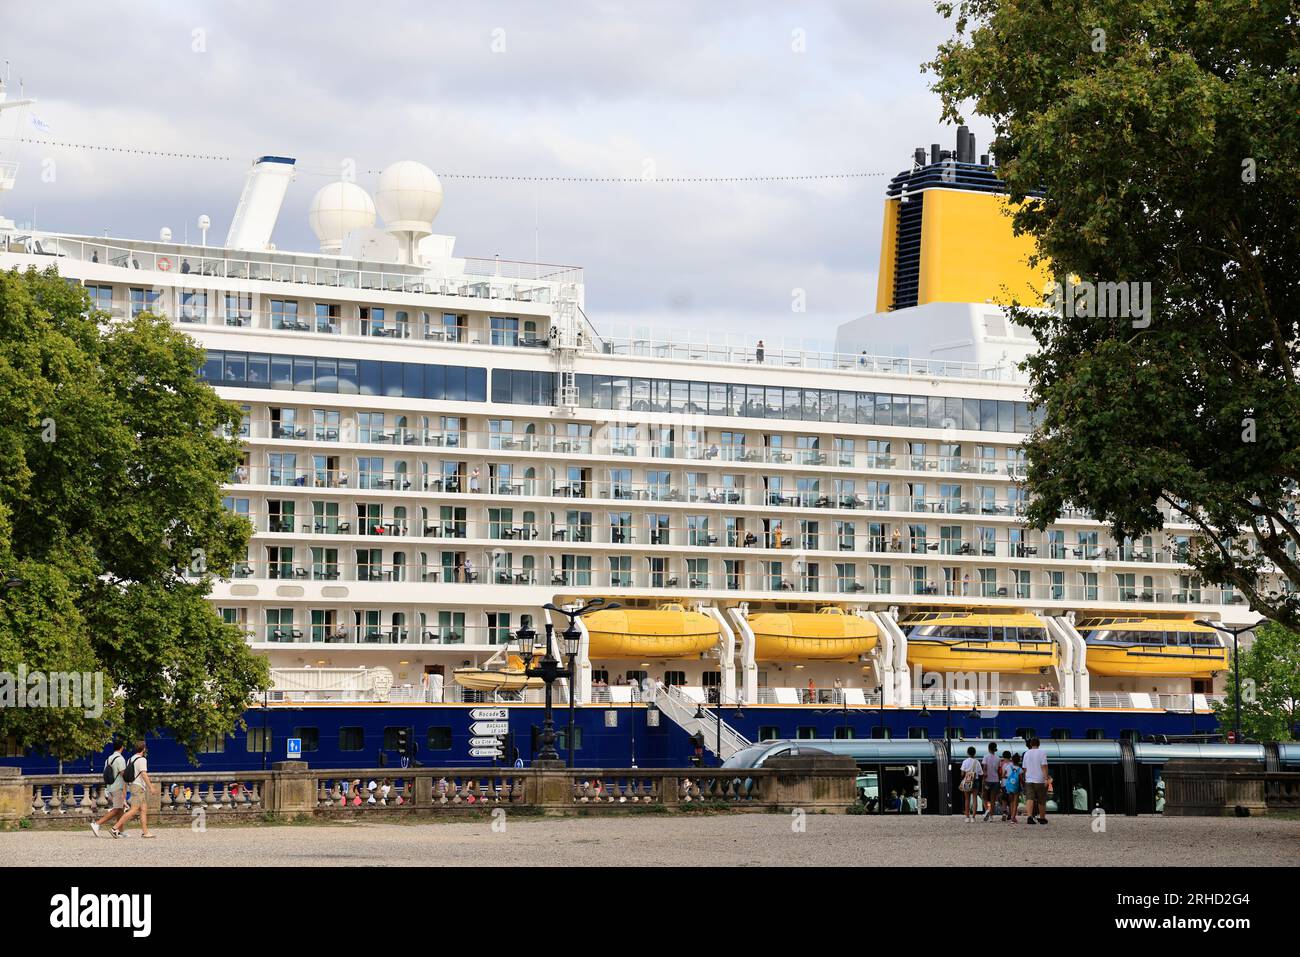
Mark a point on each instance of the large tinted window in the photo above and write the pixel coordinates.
(409, 380)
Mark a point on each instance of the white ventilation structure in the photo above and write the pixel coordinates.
(259, 206)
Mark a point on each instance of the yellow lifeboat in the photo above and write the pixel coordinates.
(510, 678)
(1155, 647)
(972, 641)
(826, 635)
(669, 631)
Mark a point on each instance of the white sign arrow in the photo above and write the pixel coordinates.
(485, 752)
(485, 742)
(488, 714)
(489, 727)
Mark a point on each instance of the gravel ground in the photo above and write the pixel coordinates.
(749, 839)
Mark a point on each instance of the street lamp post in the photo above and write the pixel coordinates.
(1236, 667)
(572, 641)
(548, 669)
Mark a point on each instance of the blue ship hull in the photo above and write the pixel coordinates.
(443, 733)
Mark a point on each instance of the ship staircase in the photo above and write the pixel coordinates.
(566, 342)
(695, 717)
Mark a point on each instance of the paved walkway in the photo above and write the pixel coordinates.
(749, 839)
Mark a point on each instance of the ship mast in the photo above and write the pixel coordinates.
(9, 168)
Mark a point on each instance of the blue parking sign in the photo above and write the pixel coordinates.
(295, 748)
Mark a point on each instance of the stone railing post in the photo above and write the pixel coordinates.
(291, 789)
(15, 797)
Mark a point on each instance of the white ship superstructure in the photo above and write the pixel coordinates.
(438, 446)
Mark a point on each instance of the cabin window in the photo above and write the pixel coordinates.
(600, 676)
(390, 738)
(439, 739)
(844, 734)
(11, 749)
(769, 732)
(310, 738)
(674, 678)
(1096, 734)
(1026, 733)
(918, 734)
(879, 733)
(805, 733)
(1060, 734)
(212, 744)
(259, 740)
(563, 739)
(351, 739)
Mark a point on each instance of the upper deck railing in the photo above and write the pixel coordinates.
(482, 278)
(705, 346)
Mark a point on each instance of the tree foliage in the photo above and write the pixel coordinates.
(112, 456)
(1157, 141)
(1270, 686)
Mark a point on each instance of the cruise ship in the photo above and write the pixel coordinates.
(792, 543)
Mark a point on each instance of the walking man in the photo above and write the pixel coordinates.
(136, 775)
(992, 780)
(1036, 771)
(115, 791)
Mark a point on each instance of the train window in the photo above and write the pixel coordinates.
(310, 738)
(212, 744)
(1060, 734)
(805, 733)
(259, 740)
(769, 732)
(918, 734)
(1096, 734)
(844, 734)
(439, 739)
(351, 739)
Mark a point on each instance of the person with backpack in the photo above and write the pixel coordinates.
(970, 783)
(114, 787)
(136, 776)
(1014, 785)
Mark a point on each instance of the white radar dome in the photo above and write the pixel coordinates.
(409, 197)
(336, 210)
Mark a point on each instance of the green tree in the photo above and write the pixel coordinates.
(1156, 141)
(112, 455)
(1270, 686)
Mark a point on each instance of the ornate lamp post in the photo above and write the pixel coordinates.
(572, 639)
(548, 669)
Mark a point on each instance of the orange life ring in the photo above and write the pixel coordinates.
(164, 263)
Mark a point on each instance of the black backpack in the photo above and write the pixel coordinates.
(128, 774)
(109, 774)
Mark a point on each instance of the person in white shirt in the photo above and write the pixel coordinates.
(115, 792)
(137, 769)
(1036, 779)
(971, 769)
(991, 767)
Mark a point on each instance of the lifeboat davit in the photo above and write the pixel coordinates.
(825, 635)
(669, 631)
(1154, 647)
(510, 678)
(972, 641)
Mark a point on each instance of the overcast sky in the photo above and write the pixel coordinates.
(514, 88)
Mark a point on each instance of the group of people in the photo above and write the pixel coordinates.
(354, 793)
(1004, 781)
(127, 788)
